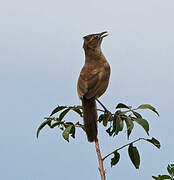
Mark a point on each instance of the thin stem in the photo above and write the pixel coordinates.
(122, 147)
(81, 126)
(130, 110)
(100, 110)
(101, 168)
(102, 105)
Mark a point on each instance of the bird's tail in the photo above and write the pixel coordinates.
(90, 118)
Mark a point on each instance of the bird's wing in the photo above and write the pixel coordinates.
(89, 82)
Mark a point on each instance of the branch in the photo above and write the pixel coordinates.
(102, 105)
(64, 123)
(81, 126)
(100, 110)
(100, 160)
(123, 147)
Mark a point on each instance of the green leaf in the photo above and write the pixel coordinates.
(67, 124)
(120, 105)
(120, 124)
(137, 114)
(55, 124)
(57, 109)
(117, 124)
(105, 121)
(134, 156)
(154, 142)
(109, 131)
(66, 133)
(72, 132)
(47, 122)
(115, 159)
(143, 123)
(164, 177)
(130, 126)
(154, 177)
(101, 117)
(105, 118)
(61, 116)
(170, 169)
(109, 116)
(62, 128)
(148, 106)
(77, 109)
(114, 125)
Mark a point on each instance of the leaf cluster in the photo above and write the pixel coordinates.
(113, 122)
(132, 152)
(67, 128)
(128, 117)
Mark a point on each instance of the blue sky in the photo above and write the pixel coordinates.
(41, 57)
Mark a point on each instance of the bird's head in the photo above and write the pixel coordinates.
(92, 42)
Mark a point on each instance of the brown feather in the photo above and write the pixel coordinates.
(93, 81)
(90, 118)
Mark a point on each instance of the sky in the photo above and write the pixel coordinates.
(41, 57)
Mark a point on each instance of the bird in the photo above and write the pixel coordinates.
(93, 81)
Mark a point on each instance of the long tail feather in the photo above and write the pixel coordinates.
(90, 118)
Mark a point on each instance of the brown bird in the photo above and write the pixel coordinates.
(93, 81)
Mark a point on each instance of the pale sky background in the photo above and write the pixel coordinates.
(41, 57)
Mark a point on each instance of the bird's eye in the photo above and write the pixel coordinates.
(96, 37)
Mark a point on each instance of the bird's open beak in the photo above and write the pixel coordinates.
(104, 34)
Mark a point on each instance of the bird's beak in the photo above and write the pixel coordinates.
(104, 34)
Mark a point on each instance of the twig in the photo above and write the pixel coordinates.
(123, 147)
(81, 126)
(64, 123)
(101, 168)
(102, 105)
(100, 110)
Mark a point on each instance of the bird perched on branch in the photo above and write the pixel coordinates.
(93, 81)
